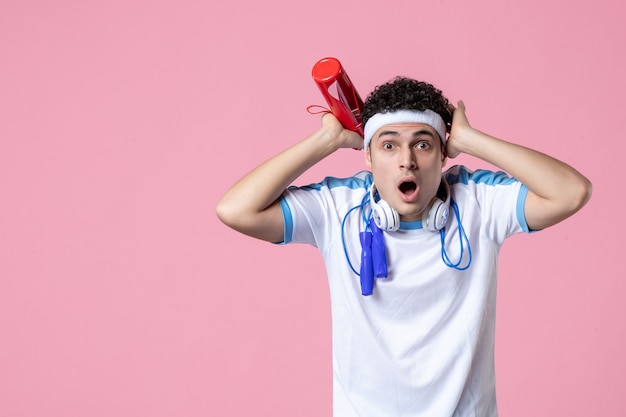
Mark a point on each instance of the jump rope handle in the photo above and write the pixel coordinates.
(367, 264)
(342, 98)
(379, 255)
(373, 257)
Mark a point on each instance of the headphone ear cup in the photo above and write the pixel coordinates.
(437, 216)
(385, 217)
(438, 211)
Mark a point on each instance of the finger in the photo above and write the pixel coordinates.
(325, 113)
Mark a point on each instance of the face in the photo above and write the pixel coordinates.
(406, 160)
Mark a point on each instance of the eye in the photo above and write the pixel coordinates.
(422, 145)
(387, 145)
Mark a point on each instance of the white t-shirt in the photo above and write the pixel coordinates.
(423, 343)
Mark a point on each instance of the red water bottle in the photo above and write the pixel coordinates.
(339, 92)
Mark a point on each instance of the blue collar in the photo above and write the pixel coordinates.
(413, 225)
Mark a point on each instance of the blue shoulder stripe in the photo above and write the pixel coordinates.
(361, 180)
(460, 174)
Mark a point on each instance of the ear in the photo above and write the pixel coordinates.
(444, 156)
(368, 158)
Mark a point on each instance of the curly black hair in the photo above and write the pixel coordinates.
(403, 93)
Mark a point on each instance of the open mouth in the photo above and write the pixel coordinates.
(408, 188)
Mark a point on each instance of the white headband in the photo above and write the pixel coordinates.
(427, 116)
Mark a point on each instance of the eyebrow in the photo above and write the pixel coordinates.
(415, 134)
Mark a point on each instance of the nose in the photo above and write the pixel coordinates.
(407, 159)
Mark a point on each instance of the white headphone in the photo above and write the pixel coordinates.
(437, 211)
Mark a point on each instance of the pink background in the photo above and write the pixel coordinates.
(122, 122)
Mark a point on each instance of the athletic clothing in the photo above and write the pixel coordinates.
(423, 343)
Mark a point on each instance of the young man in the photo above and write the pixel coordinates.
(417, 340)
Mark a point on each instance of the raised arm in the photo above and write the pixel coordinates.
(556, 190)
(251, 205)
